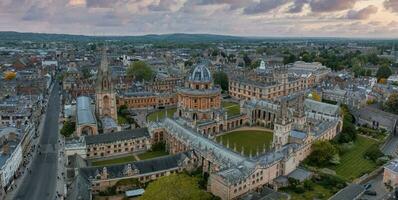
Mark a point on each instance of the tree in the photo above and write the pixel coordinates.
(368, 72)
(349, 132)
(358, 70)
(383, 72)
(255, 64)
(373, 153)
(68, 128)
(247, 60)
(392, 103)
(9, 75)
(175, 187)
(86, 73)
(289, 58)
(221, 78)
(322, 153)
(140, 71)
(315, 96)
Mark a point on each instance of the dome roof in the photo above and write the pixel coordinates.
(201, 74)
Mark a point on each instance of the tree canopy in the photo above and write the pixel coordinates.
(391, 104)
(140, 71)
(315, 96)
(221, 78)
(68, 128)
(175, 187)
(322, 154)
(349, 132)
(9, 75)
(383, 72)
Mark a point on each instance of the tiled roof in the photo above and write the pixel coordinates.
(116, 136)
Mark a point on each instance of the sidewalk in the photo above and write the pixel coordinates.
(25, 170)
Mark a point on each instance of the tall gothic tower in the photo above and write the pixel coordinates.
(104, 94)
(282, 126)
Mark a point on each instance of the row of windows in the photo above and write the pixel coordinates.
(118, 145)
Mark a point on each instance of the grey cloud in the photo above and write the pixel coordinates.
(163, 5)
(331, 5)
(105, 3)
(391, 5)
(233, 4)
(297, 6)
(263, 6)
(364, 13)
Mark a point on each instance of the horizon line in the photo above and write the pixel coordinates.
(214, 34)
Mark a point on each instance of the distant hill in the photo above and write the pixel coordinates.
(176, 37)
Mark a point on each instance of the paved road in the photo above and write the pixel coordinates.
(391, 146)
(377, 186)
(41, 184)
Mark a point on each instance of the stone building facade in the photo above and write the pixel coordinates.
(117, 143)
(264, 84)
(146, 100)
(105, 94)
(297, 124)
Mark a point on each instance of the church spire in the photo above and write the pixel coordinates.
(104, 61)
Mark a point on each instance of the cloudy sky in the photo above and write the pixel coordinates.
(336, 18)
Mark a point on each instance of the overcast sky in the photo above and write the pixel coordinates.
(335, 18)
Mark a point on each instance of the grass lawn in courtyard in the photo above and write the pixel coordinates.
(232, 108)
(161, 113)
(250, 140)
(113, 161)
(352, 163)
(152, 154)
(318, 192)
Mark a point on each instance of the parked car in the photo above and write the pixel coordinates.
(367, 186)
(371, 192)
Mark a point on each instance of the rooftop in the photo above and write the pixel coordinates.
(116, 136)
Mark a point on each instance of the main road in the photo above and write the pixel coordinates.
(42, 182)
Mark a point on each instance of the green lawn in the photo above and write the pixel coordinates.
(232, 108)
(318, 192)
(121, 120)
(113, 161)
(152, 154)
(152, 117)
(249, 139)
(352, 163)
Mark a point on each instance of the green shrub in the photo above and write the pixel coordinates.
(373, 153)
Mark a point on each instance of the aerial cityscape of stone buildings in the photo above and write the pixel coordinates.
(184, 110)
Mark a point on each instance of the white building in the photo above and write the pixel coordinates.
(11, 154)
(303, 68)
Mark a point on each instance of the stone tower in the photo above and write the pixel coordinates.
(199, 100)
(104, 94)
(299, 113)
(282, 126)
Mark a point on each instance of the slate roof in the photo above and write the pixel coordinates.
(319, 107)
(300, 174)
(393, 166)
(143, 166)
(79, 189)
(84, 113)
(298, 134)
(116, 136)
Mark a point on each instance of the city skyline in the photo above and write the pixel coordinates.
(263, 18)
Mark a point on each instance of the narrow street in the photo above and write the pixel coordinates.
(41, 183)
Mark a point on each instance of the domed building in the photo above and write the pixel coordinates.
(199, 100)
